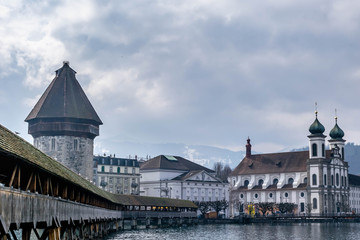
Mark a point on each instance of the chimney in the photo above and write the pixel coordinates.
(248, 148)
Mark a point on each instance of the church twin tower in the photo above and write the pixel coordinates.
(64, 124)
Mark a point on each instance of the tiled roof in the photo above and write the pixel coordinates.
(273, 163)
(64, 98)
(11, 144)
(181, 164)
(354, 180)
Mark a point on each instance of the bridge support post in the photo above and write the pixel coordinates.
(159, 222)
(134, 223)
(148, 222)
(54, 233)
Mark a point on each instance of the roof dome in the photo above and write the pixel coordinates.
(316, 127)
(336, 132)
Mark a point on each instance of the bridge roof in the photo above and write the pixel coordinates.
(14, 145)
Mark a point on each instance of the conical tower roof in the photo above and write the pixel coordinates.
(64, 98)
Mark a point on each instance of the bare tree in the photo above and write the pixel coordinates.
(222, 171)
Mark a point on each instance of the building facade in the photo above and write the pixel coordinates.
(315, 180)
(117, 175)
(176, 177)
(64, 124)
(354, 183)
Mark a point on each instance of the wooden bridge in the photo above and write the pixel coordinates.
(42, 199)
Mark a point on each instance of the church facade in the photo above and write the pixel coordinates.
(315, 180)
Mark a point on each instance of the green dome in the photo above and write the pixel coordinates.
(316, 127)
(336, 132)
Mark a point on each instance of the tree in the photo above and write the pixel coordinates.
(222, 172)
(282, 207)
(203, 207)
(287, 207)
(265, 206)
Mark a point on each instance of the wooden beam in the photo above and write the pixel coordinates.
(13, 175)
(40, 186)
(28, 185)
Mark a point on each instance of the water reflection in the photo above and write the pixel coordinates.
(349, 231)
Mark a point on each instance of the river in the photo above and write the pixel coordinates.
(294, 231)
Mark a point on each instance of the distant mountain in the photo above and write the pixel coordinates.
(203, 155)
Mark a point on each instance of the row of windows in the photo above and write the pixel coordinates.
(315, 150)
(271, 195)
(75, 145)
(337, 179)
(118, 169)
(275, 181)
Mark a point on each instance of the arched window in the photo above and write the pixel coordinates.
(345, 182)
(246, 183)
(103, 169)
(325, 183)
(314, 182)
(290, 181)
(342, 180)
(305, 180)
(314, 203)
(332, 179)
(314, 150)
(261, 182)
(275, 181)
(323, 150)
(337, 179)
(342, 153)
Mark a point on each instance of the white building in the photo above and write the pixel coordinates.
(117, 175)
(314, 179)
(176, 177)
(354, 183)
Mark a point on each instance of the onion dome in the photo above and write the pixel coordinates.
(316, 127)
(336, 133)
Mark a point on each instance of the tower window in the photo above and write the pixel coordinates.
(314, 182)
(314, 203)
(75, 144)
(332, 179)
(53, 144)
(325, 183)
(337, 179)
(275, 181)
(323, 150)
(314, 150)
(342, 153)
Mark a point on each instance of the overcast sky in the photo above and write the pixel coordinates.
(194, 72)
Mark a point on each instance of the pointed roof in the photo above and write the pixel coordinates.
(64, 98)
(336, 133)
(172, 163)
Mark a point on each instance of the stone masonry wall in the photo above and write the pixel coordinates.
(75, 153)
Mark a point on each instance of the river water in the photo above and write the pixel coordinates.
(294, 231)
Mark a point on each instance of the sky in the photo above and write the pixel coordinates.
(194, 72)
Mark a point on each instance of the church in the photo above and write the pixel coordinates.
(315, 180)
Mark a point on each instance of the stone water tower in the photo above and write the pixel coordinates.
(64, 124)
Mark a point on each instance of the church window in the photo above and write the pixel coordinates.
(314, 203)
(332, 179)
(314, 182)
(314, 150)
(323, 150)
(270, 195)
(305, 180)
(342, 153)
(261, 182)
(325, 183)
(302, 194)
(241, 195)
(345, 182)
(256, 195)
(290, 181)
(342, 180)
(246, 183)
(75, 144)
(337, 179)
(275, 181)
(53, 144)
(286, 194)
